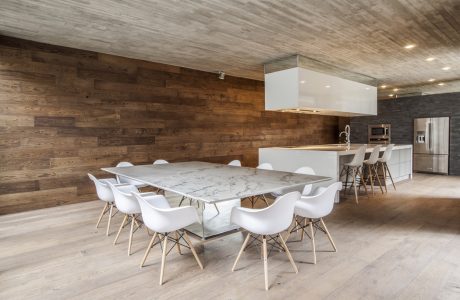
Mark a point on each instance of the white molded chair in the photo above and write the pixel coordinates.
(262, 166)
(160, 162)
(127, 204)
(371, 165)
(267, 222)
(383, 162)
(126, 180)
(355, 170)
(310, 210)
(105, 194)
(306, 189)
(159, 217)
(235, 163)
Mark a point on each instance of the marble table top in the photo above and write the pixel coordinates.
(212, 182)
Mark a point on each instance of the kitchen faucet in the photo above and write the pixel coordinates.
(347, 132)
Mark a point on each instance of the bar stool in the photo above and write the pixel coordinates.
(384, 166)
(354, 169)
(371, 166)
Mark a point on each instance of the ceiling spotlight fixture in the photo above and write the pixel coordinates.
(327, 86)
(431, 80)
(395, 90)
(302, 81)
(221, 75)
(430, 59)
(383, 86)
(441, 83)
(410, 46)
(446, 68)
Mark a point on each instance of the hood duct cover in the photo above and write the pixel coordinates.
(292, 85)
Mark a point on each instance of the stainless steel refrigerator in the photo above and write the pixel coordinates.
(431, 145)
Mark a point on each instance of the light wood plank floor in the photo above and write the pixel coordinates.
(404, 245)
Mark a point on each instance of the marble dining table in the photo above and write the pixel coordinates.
(212, 183)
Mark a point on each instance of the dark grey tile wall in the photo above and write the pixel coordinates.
(401, 112)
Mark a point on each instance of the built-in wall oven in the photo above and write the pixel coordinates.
(379, 134)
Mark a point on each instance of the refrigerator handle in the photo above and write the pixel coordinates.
(430, 141)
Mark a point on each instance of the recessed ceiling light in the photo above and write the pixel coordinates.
(367, 88)
(395, 90)
(410, 46)
(441, 83)
(431, 80)
(383, 86)
(446, 68)
(327, 86)
(430, 58)
(302, 81)
(391, 95)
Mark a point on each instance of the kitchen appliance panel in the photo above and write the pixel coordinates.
(421, 135)
(439, 131)
(431, 163)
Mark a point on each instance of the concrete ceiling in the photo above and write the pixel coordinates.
(239, 36)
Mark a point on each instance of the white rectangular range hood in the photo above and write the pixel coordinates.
(302, 90)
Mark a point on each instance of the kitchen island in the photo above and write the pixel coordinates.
(327, 160)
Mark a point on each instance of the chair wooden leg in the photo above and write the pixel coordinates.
(147, 251)
(241, 251)
(360, 173)
(264, 250)
(354, 184)
(110, 219)
(265, 200)
(384, 177)
(312, 233)
(369, 169)
(376, 174)
(177, 243)
(131, 235)
(187, 239)
(288, 254)
(302, 231)
(328, 235)
(103, 212)
(163, 257)
(391, 177)
(346, 179)
(119, 230)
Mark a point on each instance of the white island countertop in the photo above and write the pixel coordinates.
(341, 149)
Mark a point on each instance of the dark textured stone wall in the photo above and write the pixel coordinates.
(400, 113)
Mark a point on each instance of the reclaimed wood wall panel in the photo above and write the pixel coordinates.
(66, 112)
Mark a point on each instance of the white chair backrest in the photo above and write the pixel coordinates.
(323, 201)
(160, 162)
(235, 163)
(359, 156)
(265, 166)
(387, 153)
(374, 155)
(124, 164)
(125, 200)
(102, 189)
(306, 171)
(125, 180)
(160, 218)
(280, 212)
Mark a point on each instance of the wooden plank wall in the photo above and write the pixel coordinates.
(66, 112)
